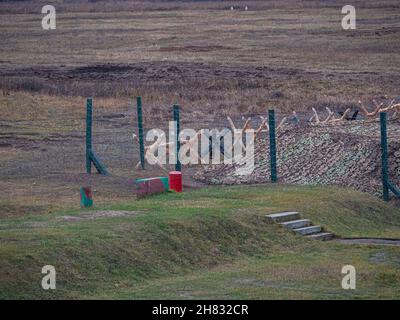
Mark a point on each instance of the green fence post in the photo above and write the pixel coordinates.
(140, 129)
(89, 107)
(385, 171)
(272, 145)
(178, 144)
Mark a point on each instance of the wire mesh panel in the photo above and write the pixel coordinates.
(312, 148)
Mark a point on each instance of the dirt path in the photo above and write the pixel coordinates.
(379, 241)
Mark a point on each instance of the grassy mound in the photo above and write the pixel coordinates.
(180, 235)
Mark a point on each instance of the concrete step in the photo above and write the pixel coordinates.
(295, 224)
(308, 230)
(324, 236)
(283, 216)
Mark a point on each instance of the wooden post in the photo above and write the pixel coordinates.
(272, 145)
(140, 129)
(86, 197)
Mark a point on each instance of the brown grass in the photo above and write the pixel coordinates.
(213, 62)
(284, 54)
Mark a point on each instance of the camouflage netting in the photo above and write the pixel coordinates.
(346, 154)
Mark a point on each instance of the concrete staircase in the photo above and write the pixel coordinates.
(293, 221)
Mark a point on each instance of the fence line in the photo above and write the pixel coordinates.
(256, 121)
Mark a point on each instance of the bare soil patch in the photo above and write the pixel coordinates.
(100, 214)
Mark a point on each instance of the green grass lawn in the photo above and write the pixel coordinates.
(208, 243)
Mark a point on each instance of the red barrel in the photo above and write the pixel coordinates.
(175, 181)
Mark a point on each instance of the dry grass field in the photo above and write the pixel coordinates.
(207, 58)
(211, 60)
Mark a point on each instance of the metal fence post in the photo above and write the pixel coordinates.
(272, 145)
(385, 170)
(89, 112)
(178, 145)
(140, 129)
